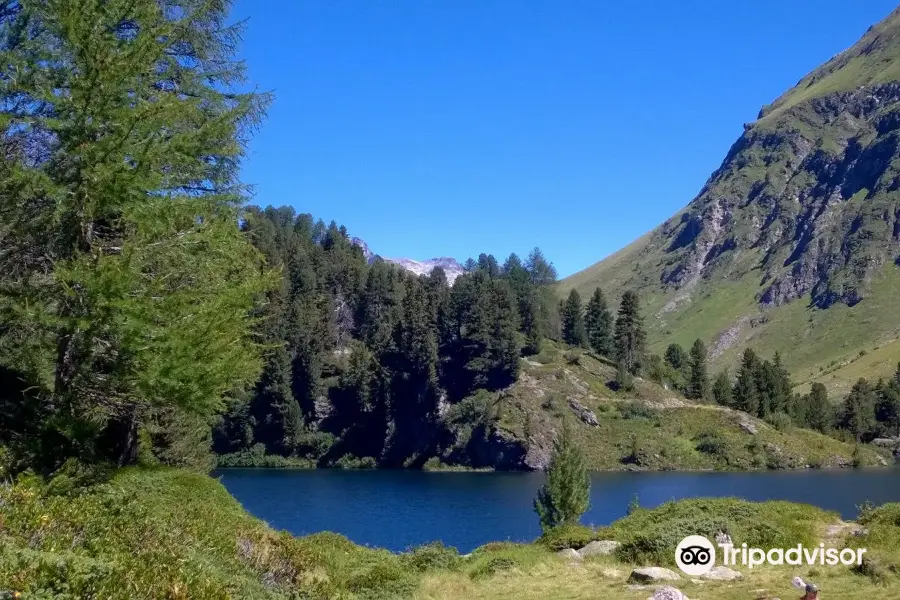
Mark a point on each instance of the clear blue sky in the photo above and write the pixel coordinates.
(454, 127)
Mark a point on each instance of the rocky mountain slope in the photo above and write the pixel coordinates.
(451, 266)
(793, 244)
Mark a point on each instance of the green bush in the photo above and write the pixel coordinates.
(432, 557)
(780, 421)
(348, 461)
(567, 536)
(639, 410)
(492, 566)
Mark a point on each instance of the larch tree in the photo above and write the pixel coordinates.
(125, 272)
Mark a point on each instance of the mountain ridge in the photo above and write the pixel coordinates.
(798, 229)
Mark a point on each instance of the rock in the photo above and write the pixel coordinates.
(723, 539)
(603, 547)
(587, 416)
(569, 554)
(650, 574)
(668, 593)
(747, 425)
(721, 573)
(885, 442)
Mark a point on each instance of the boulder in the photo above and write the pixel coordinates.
(747, 425)
(651, 574)
(667, 592)
(586, 415)
(569, 554)
(721, 573)
(603, 547)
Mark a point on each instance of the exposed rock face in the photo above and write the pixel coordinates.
(452, 268)
(808, 190)
(569, 554)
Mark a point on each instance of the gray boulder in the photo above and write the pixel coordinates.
(569, 554)
(651, 574)
(586, 415)
(667, 592)
(603, 547)
(721, 573)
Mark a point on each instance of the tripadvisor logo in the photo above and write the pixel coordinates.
(696, 555)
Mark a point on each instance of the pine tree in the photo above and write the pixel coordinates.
(123, 133)
(721, 391)
(598, 322)
(629, 333)
(819, 413)
(572, 318)
(698, 383)
(566, 494)
(858, 411)
(746, 394)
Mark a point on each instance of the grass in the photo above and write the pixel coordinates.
(164, 533)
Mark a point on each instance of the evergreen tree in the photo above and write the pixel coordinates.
(887, 407)
(566, 494)
(746, 394)
(629, 333)
(572, 318)
(542, 272)
(858, 411)
(721, 390)
(598, 322)
(676, 357)
(698, 383)
(819, 413)
(124, 270)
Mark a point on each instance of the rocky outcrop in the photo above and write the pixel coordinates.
(667, 592)
(721, 573)
(587, 416)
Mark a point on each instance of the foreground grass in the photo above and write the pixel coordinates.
(171, 534)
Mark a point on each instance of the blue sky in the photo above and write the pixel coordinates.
(454, 127)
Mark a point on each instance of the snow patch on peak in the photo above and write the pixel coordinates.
(452, 268)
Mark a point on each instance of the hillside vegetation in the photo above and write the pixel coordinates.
(167, 533)
(792, 244)
(648, 427)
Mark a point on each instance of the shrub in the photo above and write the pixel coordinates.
(493, 565)
(712, 443)
(638, 410)
(780, 421)
(571, 535)
(432, 557)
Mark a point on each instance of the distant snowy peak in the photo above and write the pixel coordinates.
(452, 268)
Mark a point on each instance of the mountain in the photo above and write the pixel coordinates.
(451, 266)
(793, 243)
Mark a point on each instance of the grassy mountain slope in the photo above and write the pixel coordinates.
(172, 534)
(649, 428)
(793, 243)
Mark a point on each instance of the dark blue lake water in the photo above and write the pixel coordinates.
(399, 509)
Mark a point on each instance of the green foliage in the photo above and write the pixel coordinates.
(624, 378)
(650, 536)
(857, 414)
(568, 535)
(124, 269)
(722, 391)
(572, 318)
(566, 494)
(629, 334)
(432, 557)
(698, 379)
(598, 322)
